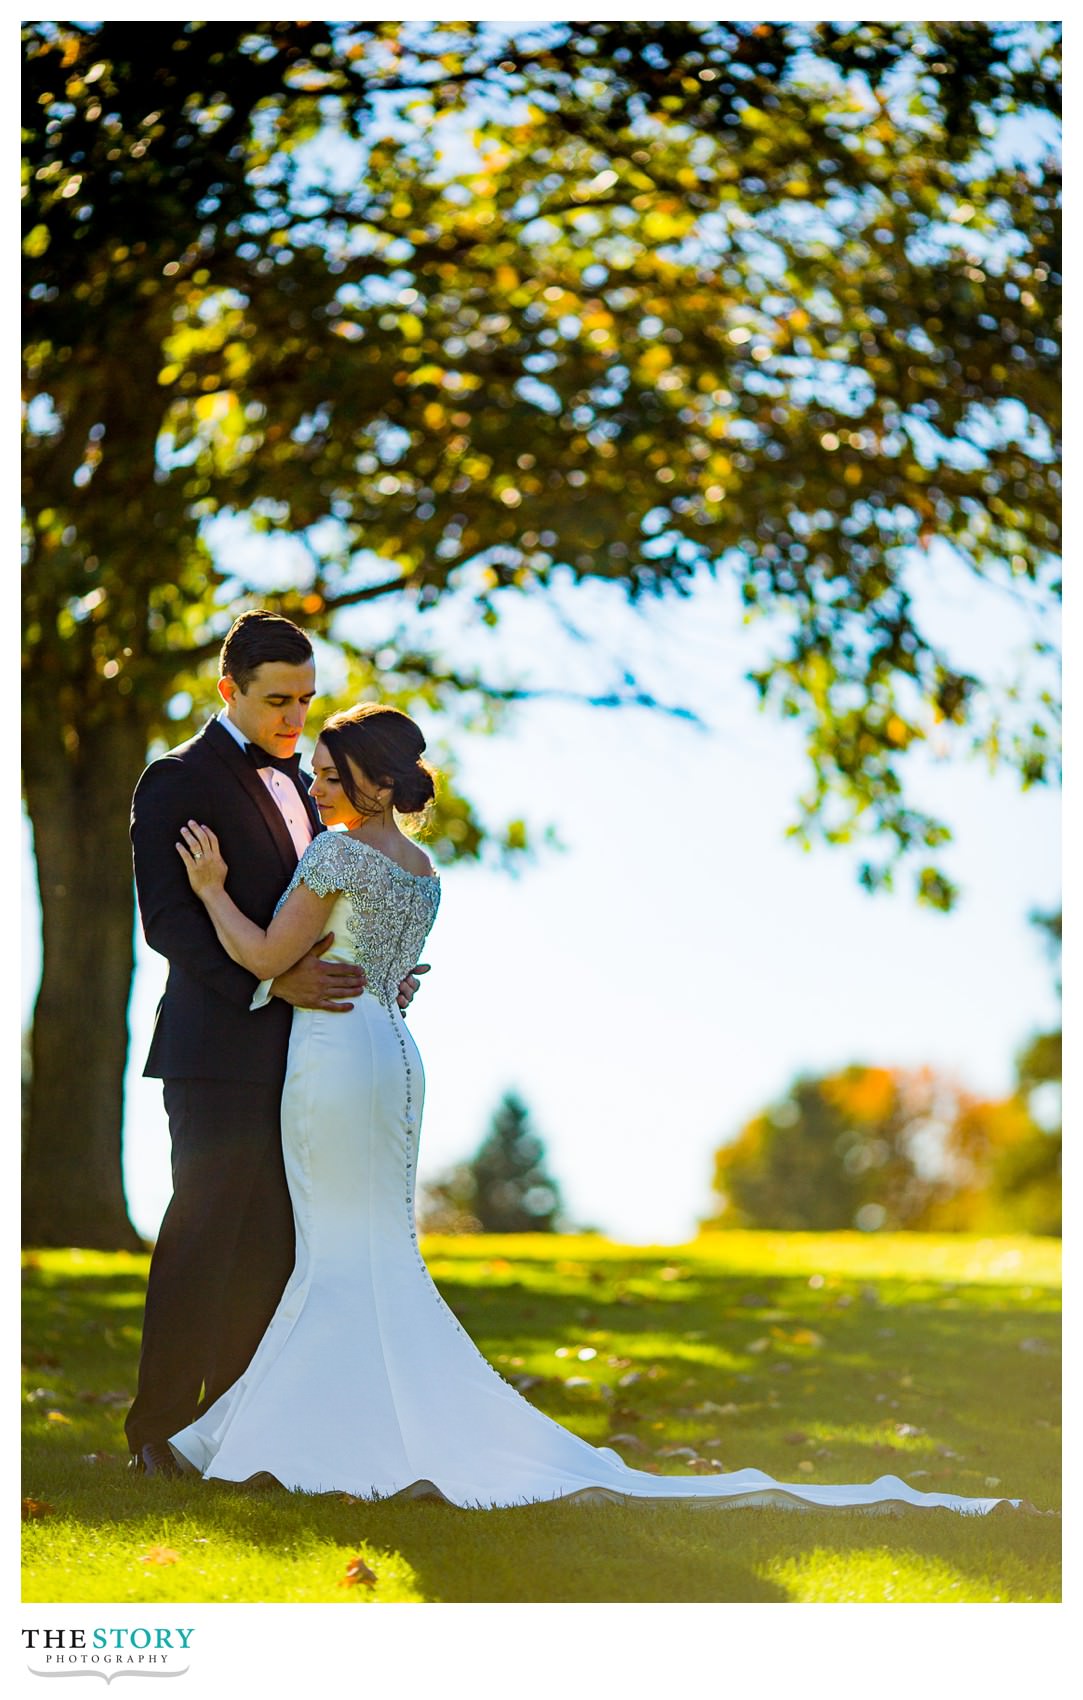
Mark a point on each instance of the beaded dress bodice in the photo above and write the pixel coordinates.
(388, 910)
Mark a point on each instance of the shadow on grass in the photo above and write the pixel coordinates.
(952, 1383)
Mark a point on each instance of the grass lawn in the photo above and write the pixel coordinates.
(837, 1357)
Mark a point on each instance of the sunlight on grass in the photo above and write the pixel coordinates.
(818, 1358)
(874, 1574)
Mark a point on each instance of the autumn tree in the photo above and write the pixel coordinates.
(1006, 1154)
(505, 1188)
(860, 1148)
(891, 1149)
(619, 301)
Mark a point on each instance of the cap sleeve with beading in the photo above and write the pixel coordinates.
(323, 867)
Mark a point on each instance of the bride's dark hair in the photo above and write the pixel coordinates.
(387, 745)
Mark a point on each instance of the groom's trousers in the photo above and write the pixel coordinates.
(224, 1251)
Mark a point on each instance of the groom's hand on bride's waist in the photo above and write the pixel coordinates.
(409, 986)
(315, 984)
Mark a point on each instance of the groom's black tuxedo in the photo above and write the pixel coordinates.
(225, 1248)
(204, 1027)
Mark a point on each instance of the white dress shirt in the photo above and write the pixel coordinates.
(293, 812)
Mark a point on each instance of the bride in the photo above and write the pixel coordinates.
(364, 1381)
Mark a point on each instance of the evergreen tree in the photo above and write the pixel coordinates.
(504, 1188)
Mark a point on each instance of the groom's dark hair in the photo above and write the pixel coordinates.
(257, 636)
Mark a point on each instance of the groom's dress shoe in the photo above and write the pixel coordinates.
(154, 1459)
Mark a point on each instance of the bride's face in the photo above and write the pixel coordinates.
(329, 796)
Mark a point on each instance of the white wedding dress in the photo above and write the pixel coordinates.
(364, 1381)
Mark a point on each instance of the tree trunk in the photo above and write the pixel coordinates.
(79, 802)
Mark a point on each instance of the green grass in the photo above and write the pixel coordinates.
(820, 1357)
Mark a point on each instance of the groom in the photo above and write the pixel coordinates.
(226, 1246)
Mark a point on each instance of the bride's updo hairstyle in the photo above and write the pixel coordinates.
(387, 746)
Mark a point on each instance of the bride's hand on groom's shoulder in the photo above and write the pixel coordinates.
(202, 858)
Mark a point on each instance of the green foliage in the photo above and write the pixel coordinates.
(503, 1189)
(614, 300)
(813, 1357)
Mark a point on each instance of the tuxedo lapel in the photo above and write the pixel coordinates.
(230, 753)
(304, 780)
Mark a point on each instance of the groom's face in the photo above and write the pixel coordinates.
(271, 712)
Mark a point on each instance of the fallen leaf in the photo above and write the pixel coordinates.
(36, 1508)
(57, 1417)
(630, 1442)
(806, 1337)
(796, 1437)
(806, 1466)
(760, 1345)
(677, 1452)
(630, 1379)
(159, 1555)
(358, 1574)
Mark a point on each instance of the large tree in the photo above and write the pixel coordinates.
(621, 301)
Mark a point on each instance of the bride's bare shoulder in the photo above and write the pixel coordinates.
(415, 860)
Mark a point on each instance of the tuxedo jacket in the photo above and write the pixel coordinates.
(204, 1028)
